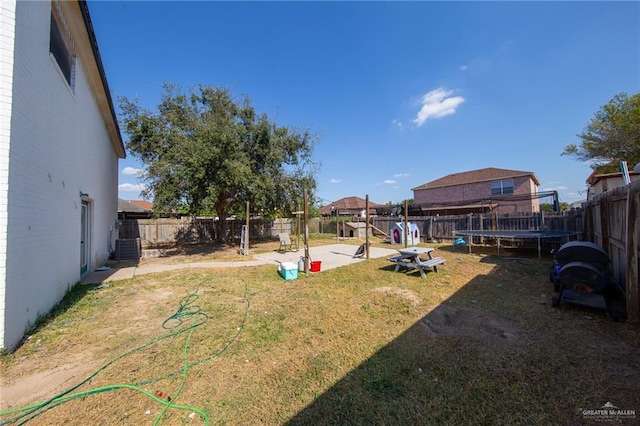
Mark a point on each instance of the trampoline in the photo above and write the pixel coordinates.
(555, 237)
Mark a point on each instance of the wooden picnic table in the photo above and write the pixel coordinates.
(410, 258)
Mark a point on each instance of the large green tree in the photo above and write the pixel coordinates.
(612, 136)
(206, 151)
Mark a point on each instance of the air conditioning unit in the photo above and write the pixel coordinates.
(128, 249)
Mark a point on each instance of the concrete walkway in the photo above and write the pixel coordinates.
(331, 256)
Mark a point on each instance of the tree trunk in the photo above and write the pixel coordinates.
(221, 209)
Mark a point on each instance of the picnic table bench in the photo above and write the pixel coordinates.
(410, 258)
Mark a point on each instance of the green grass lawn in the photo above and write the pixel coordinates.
(476, 343)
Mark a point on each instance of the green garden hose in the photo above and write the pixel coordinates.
(186, 310)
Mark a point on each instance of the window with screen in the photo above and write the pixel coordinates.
(504, 186)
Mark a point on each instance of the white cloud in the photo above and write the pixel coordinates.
(556, 188)
(334, 180)
(131, 187)
(398, 124)
(401, 175)
(505, 47)
(437, 104)
(131, 171)
(463, 67)
(389, 182)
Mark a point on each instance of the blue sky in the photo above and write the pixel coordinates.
(399, 93)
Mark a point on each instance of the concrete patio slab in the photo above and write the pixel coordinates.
(331, 256)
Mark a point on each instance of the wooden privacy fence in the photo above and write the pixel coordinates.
(612, 222)
(189, 230)
(203, 229)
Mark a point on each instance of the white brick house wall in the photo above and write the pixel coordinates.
(7, 30)
(58, 148)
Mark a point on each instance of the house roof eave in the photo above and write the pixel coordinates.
(98, 79)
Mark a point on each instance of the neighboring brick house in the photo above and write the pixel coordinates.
(350, 206)
(59, 150)
(483, 190)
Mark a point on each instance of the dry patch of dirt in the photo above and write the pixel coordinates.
(447, 320)
(407, 294)
(29, 383)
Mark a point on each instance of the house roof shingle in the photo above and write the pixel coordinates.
(480, 175)
(133, 207)
(142, 203)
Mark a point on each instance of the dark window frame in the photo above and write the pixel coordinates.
(502, 186)
(59, 49)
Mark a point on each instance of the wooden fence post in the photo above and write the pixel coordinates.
(604, 226)
(590, 231)
(430, 228)
(366, 229)
(632, 244)
(305, 210)
(247, 230)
